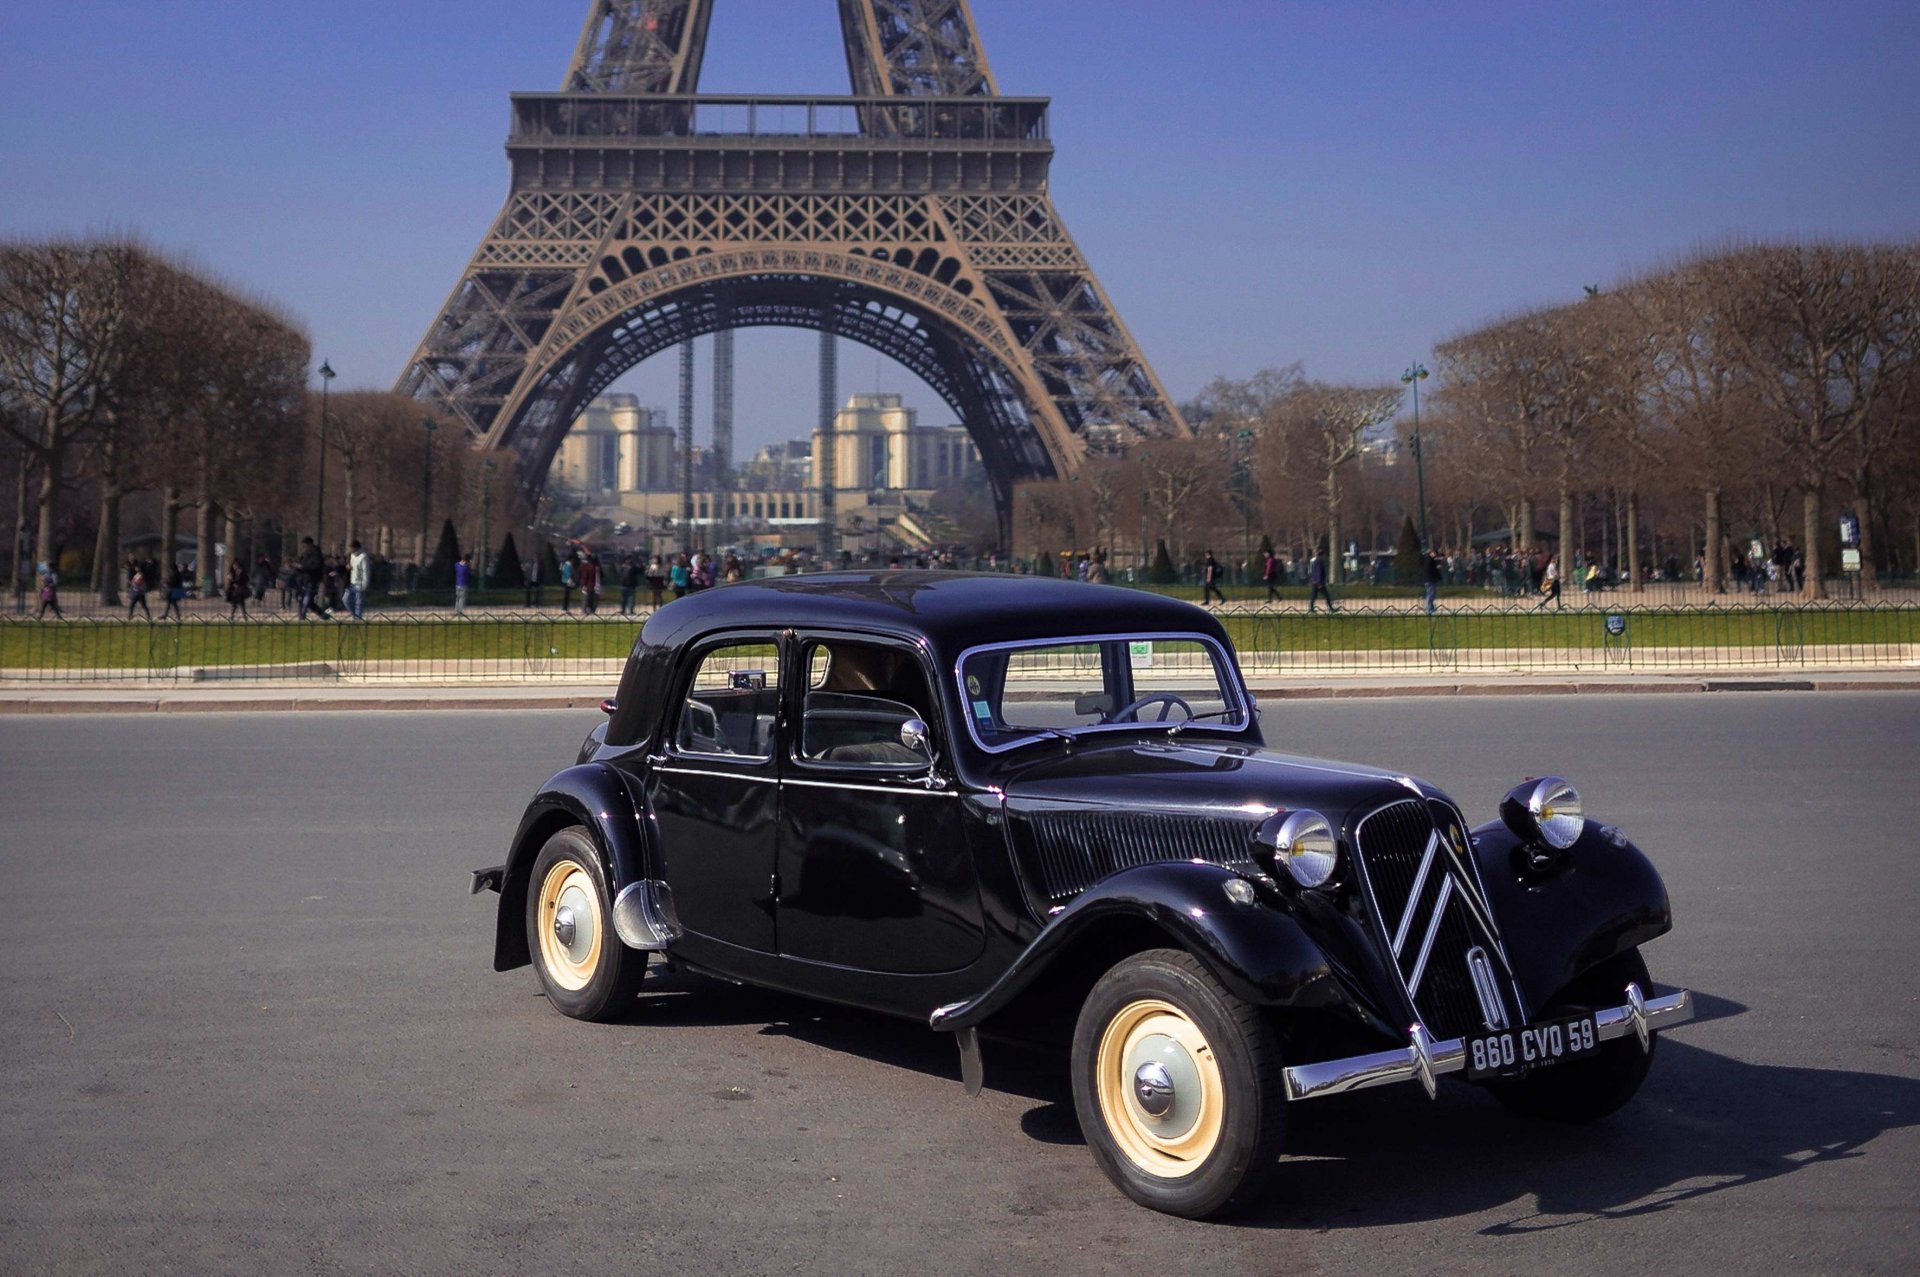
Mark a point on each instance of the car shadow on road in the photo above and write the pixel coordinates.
(1705, 1123)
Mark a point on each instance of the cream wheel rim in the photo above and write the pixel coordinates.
(568, 924)
(1160, 1090)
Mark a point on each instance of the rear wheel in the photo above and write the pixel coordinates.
(1591, 1089)
(1178, 1086)
(586, 972)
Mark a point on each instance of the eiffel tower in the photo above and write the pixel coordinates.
(912, 216)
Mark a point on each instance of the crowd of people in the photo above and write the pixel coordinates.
(321, 586)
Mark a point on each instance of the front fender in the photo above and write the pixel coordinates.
(1606, 898)
(1262, 955)
(593, 796)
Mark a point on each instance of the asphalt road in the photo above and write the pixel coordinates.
(247, 1024)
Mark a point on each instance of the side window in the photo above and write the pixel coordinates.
(731, 703)
(858, 697)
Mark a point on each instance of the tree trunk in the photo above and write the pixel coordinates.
(1862, 512)
(232, 534)
(352, 532)
(16, 557)
(1523, 534)
(1633, 540)
(50, 472)
(1567, 539)
(1810, 528)
(1713, 570)
(203, 565)
(169, 529)
(106, 547)
(1334, 559)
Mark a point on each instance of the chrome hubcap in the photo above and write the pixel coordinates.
(1166, 1085)
(573, 923)
(1153, 1088)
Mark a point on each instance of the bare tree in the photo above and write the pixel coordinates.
(63, 306)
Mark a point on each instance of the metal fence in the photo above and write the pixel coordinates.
(523, 647)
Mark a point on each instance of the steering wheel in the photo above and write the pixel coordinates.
(1166, 700)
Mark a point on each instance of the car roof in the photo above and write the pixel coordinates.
(953, 610)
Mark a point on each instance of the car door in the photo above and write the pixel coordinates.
(714, 790)
(876, 870)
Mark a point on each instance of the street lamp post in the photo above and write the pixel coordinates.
(320, 510)
(1245, 438)
(1413, 377)
(486, 520)
(426, 493)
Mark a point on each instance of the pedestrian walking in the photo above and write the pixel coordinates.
(629, 584)
(1317, 578)
(49, 593)
(1550, 585)
(1270, 573)
(312, 571)
(733, 571)
(656, 580)
(568, 578)
(359, 576)
(237, 592)
(138, 585)
(176, 591)
(1210, 580)
(680, 576)
(462, 579)
(589, 577)
(1430, 571)
(533, 582)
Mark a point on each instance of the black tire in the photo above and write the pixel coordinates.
(586, 975)
(1216, 1146)
(1591, 1089)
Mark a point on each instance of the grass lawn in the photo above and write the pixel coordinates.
(1567, 631)
(449, 643)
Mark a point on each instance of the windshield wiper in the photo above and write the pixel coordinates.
(1174, 729)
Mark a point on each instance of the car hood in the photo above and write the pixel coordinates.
(1202, 779)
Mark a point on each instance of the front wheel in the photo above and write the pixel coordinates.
(584, 969)
(1590, 1089)
(1178, 1086)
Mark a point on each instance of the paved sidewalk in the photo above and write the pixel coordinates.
(186, 698)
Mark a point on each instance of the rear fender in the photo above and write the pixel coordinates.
(594, 797)
(1263, 955)
(1603, 897)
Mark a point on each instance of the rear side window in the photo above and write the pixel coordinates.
(731, 704)
(859, 696)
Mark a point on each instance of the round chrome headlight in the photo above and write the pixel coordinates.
(1547, 809)
(1301, 842)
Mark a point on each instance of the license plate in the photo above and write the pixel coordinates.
(1537, 1045)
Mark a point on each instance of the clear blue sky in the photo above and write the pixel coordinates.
(1256, 182)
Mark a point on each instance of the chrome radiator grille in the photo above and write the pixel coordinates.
(1426, 907)
(1074, 850)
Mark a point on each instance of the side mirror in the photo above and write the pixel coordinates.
(608, 706)
(915, 736)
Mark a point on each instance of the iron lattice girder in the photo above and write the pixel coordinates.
(917, 48)
(640, 46)
(914, 219)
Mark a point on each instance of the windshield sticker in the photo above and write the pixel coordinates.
(973, 685)
(1140, 654)
(983, 711)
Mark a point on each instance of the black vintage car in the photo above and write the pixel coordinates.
(1042, 810)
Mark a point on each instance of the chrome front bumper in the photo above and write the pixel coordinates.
(1424, 1059)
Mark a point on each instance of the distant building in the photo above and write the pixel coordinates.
(623, 462)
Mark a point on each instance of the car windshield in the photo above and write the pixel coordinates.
(1172, 683)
